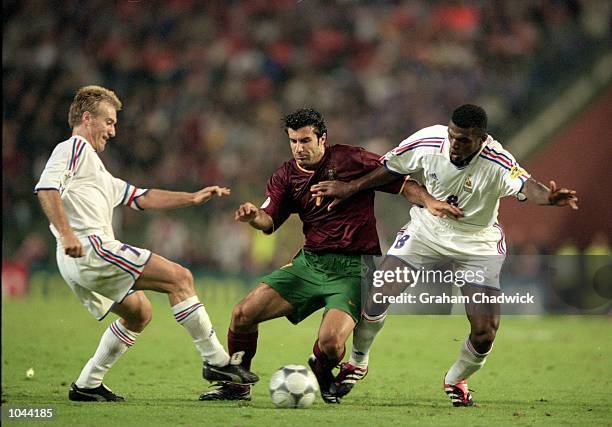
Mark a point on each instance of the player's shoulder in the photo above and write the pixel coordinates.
(351, 156)
(430, 133)
(497, 155)
(74, 144)
(495, 146)
(428, 140)
(345, 149)
(63, 145)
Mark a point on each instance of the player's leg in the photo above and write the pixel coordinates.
(162, 275)
(372, 321)
(135, 313)
(406, 253)
(374, 313)
(261, 304)
(482, 259)
(484, 321)
(329, 349)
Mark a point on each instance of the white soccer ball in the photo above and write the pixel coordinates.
(293, 386)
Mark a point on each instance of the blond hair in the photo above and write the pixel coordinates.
(88, 98)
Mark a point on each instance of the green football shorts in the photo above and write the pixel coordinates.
(312, 281)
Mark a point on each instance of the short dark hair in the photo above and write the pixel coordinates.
(305, 117)
(470, 116)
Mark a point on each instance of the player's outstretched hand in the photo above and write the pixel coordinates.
(338, 190)
(72, 246)
(562, 196)
(443, 209)
(205, 194)
(246, 212)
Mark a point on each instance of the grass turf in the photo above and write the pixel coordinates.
(543, 371)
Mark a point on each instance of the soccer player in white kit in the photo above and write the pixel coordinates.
(78, 196)
(465, 166)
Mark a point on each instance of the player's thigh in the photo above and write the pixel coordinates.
(163, 275)
(395, 275)
(135, 309)
(300, 285)
(261, 304)
(336, 326)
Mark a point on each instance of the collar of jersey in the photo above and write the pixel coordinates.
(302, 169)
(472, 161)
(323, 160)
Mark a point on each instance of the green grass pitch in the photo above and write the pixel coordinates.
(543, 370)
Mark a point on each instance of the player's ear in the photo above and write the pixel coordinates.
(323, 138)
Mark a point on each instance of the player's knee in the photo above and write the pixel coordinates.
(331, 344)
(242, 318)
(146, 314)
(183, 281)
(140, 317)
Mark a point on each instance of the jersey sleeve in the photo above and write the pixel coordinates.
(276, 203)
(405, 159)
(64, 163)
(371, 161)
(127, 194)
(513, 180)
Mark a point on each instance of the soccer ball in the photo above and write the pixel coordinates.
(293, 386)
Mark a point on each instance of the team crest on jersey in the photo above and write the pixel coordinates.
(467, 185)
(517, 171)
(330, 173)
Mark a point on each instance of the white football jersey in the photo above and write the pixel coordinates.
(89, 193)
(475, 188)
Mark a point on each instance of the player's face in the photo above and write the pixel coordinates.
(307, 148)
(101, 126)
(464, 142)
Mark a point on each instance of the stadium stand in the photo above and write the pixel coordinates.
(205, 84)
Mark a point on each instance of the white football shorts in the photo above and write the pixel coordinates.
(105, 275)
(475, 256)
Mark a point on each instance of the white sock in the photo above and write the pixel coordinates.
(114, 342)
(194, 318)
(469, 361)
(363, 338)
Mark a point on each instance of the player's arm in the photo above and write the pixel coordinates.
(417, 194)
(163, 199)
(538, 193)
(256, 217)
(54, 210)
(340, 190)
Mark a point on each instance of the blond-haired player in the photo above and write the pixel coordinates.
(78, 196)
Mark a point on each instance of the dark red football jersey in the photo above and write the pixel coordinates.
(349, 228)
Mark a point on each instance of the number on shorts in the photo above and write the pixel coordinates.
(129, 248)
(401, 241)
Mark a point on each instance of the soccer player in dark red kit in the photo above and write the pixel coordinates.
(339, 249)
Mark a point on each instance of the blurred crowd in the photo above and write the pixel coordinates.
(205, 86)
